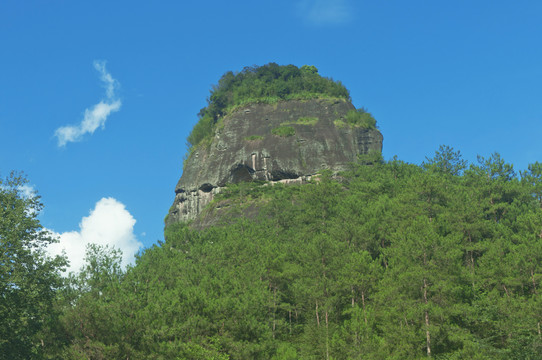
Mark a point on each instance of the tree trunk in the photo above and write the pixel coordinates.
(317, 316)
(383, 257)
(506, 290)
(363, 305)
(327, 338)
(534, 283)
(427, 334)
(471, 261)
(274, 310)
(290, 316)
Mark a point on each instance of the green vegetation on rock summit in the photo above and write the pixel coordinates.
(262, 84)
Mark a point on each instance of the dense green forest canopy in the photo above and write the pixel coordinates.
(388, 260)
(268, 83)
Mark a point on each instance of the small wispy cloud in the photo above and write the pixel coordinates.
(325, 12)
(108, 224)
(97, 115)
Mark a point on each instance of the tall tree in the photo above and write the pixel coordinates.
(446, 161)
(28, 278)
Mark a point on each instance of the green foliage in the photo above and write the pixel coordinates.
(446, 161)
(102, 267)
(262, 84)
(203, 128)
(357, 118)
(283, 131)
(254, 137)
(305, 120)
(28, 278)
(389, 260)
(310, 69)
(533, 177)
(92, 304)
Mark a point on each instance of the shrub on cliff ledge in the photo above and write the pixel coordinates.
(267, 83)
(357, 118)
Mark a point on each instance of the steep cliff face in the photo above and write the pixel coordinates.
(286, 141)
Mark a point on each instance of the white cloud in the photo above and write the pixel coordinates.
(109, 223)
(325, 12)
(107, 79)
(97, 115)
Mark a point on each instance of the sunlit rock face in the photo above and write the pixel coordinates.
(248, 145)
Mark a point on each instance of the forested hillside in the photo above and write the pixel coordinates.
(389, 260)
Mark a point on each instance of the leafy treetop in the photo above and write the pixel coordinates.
(263, 84)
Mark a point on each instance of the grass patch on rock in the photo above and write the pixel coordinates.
(283, 131)
(253, 138)
(304, 120)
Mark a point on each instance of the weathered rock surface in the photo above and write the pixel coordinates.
(245, 149)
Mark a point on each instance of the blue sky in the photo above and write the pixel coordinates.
(465, 74)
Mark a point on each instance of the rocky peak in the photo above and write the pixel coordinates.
(288, 141)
